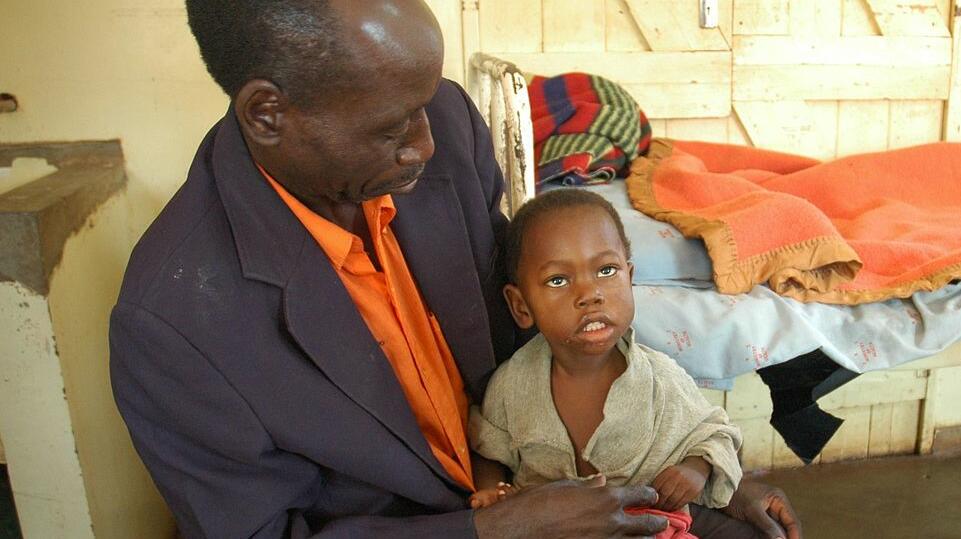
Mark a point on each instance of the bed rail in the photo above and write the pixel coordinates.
(500, 91)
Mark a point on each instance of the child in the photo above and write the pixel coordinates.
(581, 399)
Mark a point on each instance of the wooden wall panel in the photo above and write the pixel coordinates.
(858, 20)
(449, 16)
(875, 51)
(757, 453)
(665, 84)
(782, 456)
(706, 129)
(762, 17)
(851, 440)
(802, 127)
(878, 387)
(815, 17)
(914, 18)
(952, 114)
(510, 25)
(621, 31)
(914, 122)
(894, 428)
(823, 82)
(869, 120)
(583, 32)
(669, 25)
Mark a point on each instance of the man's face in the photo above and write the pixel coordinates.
(574, 281)
(368, 135)
(363, 142)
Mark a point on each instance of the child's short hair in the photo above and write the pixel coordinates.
(548, 202)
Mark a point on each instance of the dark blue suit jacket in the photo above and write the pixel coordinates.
(251, 387)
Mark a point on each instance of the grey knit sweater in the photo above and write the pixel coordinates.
(654, 417)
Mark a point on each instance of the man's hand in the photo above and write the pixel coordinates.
(570, 509)
(679, 485)
(767, 508)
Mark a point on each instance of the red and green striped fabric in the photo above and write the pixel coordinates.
(587, 129)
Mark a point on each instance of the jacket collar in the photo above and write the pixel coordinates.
(269, 238)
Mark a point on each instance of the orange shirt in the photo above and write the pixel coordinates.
(407, 332)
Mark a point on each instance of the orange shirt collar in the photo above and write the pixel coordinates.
(336, 242)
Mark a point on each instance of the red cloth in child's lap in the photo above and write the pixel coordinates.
(678, 524)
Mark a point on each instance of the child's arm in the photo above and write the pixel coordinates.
(490, 480)
(681, 484)
(716, 452)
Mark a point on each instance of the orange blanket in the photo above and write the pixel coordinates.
(862, 228)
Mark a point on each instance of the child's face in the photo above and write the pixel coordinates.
(574, 282)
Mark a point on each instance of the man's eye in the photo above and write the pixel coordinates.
(607, 271)
(556, 282)
(397, 131)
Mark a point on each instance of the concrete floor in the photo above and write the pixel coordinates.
(894, 498)
(901, 497)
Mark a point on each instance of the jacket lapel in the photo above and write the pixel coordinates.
(433, 236)
(322, 318)
(274, 247)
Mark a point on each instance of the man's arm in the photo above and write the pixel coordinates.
(208, 453)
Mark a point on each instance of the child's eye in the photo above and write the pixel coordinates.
(556, 282)
(607, 271)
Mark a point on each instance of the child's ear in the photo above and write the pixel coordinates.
(519, 310)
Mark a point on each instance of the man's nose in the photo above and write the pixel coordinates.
(420, 146)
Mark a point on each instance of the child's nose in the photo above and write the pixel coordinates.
(590, 296)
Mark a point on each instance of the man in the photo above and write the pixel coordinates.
(294, 348)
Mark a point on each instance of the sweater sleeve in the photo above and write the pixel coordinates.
(714, 438)
(487, 428)
(720, 451)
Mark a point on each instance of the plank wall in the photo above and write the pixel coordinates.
(822, 78)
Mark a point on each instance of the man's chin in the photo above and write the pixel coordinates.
(400, 188)
(406, 188)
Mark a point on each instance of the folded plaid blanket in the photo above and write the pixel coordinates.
(587, 129)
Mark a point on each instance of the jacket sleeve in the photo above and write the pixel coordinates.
(208, 453)
(507, 337)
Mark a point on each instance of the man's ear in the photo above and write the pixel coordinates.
(260, 106)
(519, 309)
(630, 271)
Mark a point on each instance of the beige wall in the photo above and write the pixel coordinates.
(123, 500)
(104, 69)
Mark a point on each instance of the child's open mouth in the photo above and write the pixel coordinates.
(595, 332)
(594, 326)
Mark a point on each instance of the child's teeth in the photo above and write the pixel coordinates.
(594, 326)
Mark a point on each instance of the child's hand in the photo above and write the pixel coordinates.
(487, 497)
(679, 485)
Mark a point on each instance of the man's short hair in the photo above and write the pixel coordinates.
(293, 43)
(568, 197)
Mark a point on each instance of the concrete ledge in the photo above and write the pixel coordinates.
(37, 218)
